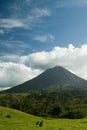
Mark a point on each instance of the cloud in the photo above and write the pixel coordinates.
(41, 12)
(11, 23)
(16, 69)
(24, 14)
(14, 46)
(9, 58)
(44, 38)
(12, 74)
(26, 20)
(70, 57)
(35, 18)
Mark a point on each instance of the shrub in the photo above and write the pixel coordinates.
(74, 115)
(41, 124)
(37, 122)
(8, 116)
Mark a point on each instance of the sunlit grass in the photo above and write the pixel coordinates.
(22, 121)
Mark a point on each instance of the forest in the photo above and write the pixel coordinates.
(71, 103)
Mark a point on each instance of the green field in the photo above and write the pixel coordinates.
(22, 121)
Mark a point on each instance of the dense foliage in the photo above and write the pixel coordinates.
(65, 104)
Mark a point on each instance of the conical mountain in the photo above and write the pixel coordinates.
(56, 76)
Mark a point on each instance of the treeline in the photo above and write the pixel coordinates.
(64, 104)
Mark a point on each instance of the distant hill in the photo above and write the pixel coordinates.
(56, 76)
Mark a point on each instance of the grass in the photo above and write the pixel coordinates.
(22, 121)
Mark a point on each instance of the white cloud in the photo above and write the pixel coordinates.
(7, 58)
(41, 12)
(25, 19)
(35, 17)
(22, 68)
(11, 23)
(70, 57)
(44, 38)
(12, 74)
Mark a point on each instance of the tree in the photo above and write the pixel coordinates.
(74, 115)
(56, 111)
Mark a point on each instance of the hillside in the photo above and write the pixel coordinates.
(23, 121)
(56, 76)
(17, 120)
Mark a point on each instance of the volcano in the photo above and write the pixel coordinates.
(56, 76)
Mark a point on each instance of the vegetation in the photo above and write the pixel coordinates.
(22, 121)
(67, 103)
(55, 93)
(57, 106)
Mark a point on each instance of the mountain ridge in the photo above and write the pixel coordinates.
(55, 76)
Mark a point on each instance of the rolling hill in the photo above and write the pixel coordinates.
(11, 119)
(22, 121)
(56, 76)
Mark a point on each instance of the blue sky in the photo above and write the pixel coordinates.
(41, 25)
(33, 28)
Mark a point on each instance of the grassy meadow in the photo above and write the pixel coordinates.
(11, 119)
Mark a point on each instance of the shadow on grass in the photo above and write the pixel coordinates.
(84, 122)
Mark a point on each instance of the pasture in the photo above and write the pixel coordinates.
(11, 119)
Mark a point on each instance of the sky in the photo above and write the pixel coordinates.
(39, 34)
